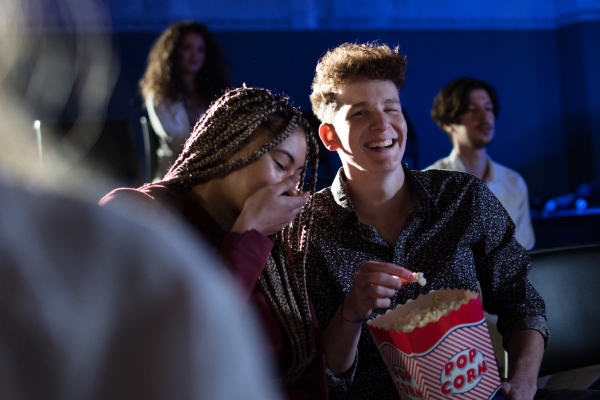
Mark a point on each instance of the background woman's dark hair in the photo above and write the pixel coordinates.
(162, 76)
(223, 129)
(453, 99)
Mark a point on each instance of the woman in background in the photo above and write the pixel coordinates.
(239, 182)
(186, 72)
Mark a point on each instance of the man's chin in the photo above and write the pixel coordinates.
(481, 143)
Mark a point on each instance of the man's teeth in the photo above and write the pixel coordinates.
(376, 145)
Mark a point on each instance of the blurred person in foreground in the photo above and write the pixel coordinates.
(379, 221)
(239, 183)
(95, 304)
(466, 110)
(186, 72)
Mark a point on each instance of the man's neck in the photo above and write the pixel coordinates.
(381, 200)
(474, 160)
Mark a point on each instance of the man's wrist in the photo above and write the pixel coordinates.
(341, 312)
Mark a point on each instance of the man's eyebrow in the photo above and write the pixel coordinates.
(362, 103)
(386, 102)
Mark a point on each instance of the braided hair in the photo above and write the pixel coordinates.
(226, 127)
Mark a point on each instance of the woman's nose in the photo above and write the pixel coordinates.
(294, 191)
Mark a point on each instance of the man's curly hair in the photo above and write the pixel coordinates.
(352, 62)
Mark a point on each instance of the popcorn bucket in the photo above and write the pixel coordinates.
(451, 358)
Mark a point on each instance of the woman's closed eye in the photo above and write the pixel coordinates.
(280, 165)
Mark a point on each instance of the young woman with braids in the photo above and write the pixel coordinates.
(237, 182)
(186, 72)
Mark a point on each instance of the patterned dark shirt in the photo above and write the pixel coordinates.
(458, 234)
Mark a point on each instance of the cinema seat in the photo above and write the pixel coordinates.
(569, 281)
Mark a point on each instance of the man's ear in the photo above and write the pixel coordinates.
(448, 128)
(328, 136)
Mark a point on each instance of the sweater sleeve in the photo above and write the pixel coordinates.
(247, 255)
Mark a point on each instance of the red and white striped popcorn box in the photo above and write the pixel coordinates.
(452, 358)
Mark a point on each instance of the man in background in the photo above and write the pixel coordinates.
(466, 110)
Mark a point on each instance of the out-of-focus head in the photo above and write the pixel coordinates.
(182, 37)
(51, 78)
(166, 62)
(349, 63)
(453, 100)
(229, 125)
(191, 54)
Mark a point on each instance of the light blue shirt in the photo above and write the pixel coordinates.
(509, 187)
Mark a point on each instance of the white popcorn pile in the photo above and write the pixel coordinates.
(421, 317)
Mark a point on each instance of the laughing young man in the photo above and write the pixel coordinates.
(379, 221)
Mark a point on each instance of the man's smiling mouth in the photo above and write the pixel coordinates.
(381, 145)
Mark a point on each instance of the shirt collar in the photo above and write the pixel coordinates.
(340, 195)
(458, 165)
(456, 162)
(338, 190)
(425, 201)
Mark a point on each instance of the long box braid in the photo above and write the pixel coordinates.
(226, 127)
